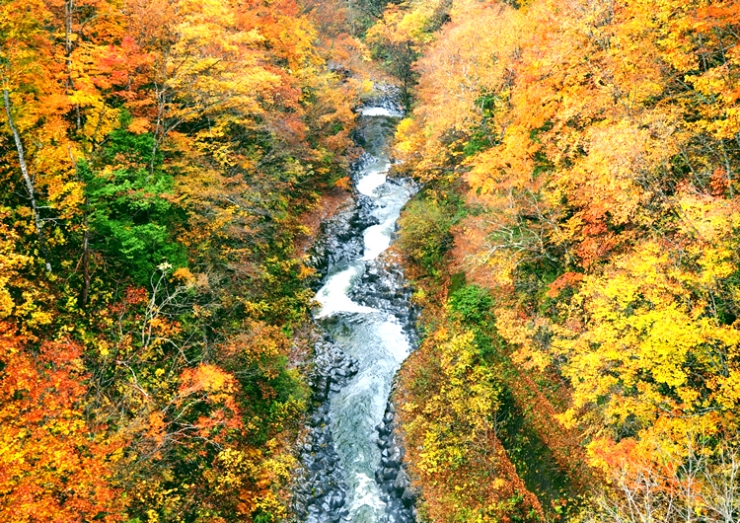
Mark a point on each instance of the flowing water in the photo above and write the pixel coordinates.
(365, 315)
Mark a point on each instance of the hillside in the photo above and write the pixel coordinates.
(162, 166)
(576, 252)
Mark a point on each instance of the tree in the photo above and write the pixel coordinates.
(27, 70)
(54, 463)
(599, 145)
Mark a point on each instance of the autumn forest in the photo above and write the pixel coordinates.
(571, 250)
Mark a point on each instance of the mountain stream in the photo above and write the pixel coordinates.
(352, 467)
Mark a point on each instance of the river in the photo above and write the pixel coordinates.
(368, 332)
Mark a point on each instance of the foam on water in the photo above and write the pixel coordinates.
(381, 111)
(375, 175)
(377, 240)
(333, 295)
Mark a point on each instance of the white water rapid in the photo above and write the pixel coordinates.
(373, 336)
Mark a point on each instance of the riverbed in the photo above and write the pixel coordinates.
(353, 466)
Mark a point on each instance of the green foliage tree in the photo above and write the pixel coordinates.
(132, 212)
(425, 233)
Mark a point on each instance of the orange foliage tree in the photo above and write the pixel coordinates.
(54, 462)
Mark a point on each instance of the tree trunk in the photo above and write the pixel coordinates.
(27, 178)
(85, 292)
(69, 8)
(85, 263)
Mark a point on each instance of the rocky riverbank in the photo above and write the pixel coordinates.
(392, 476)
(320, 493)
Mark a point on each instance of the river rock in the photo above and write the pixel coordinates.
(408, 497)
(402, 481)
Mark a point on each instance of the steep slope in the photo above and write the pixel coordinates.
(575, 248)
(161, 161)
